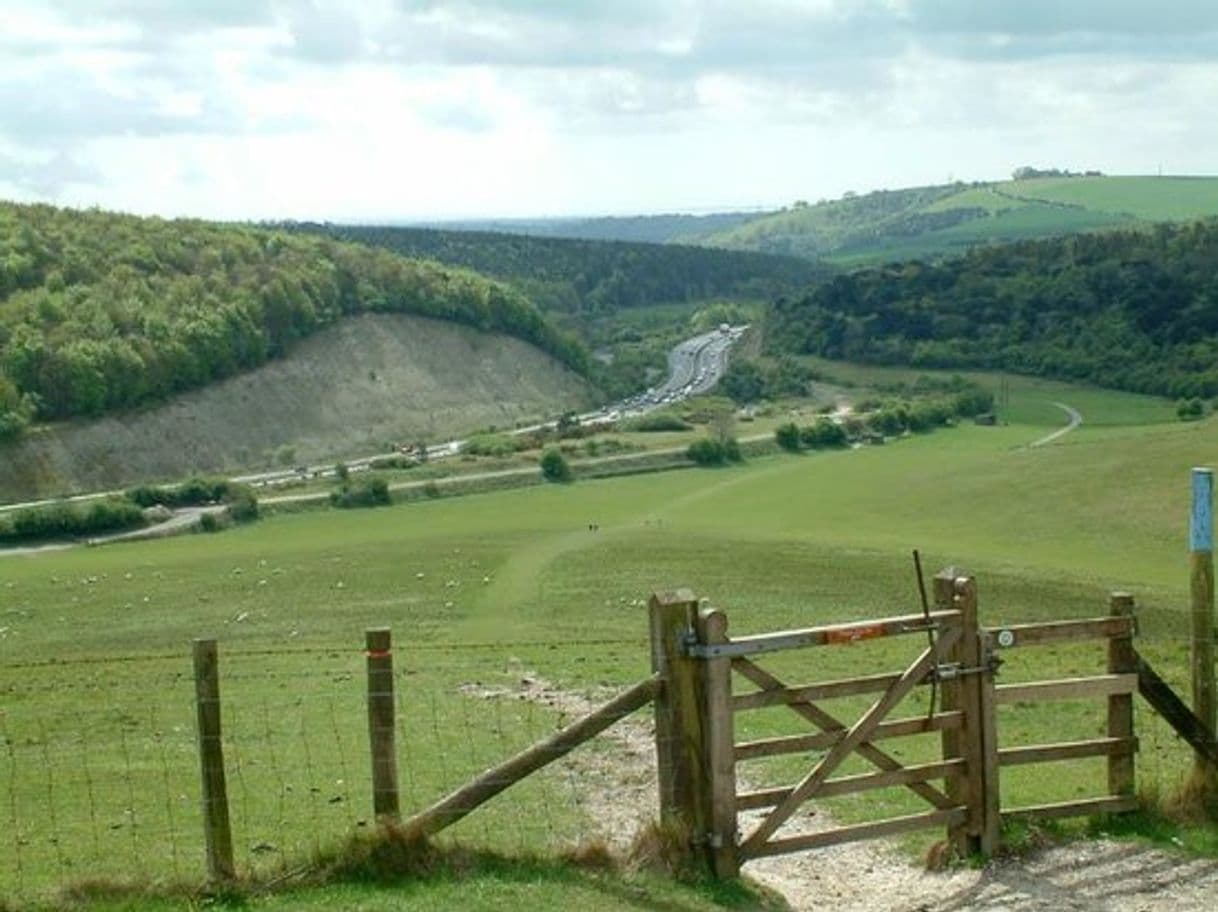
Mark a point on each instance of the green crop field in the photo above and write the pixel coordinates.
(495, 596)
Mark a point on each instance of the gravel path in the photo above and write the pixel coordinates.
(1092, 876)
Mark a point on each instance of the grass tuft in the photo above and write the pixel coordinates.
(664, 848)
(1196, 800)
(592, 855)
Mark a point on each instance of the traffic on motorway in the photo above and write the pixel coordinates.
(695, 365)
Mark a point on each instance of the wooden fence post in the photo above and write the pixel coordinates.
(944, 586)
(969, 657)
(720, 747)
(991, 800)
(378, 641)
(1201, 571)
(216, 828)
(679, 740)
(1122, 659)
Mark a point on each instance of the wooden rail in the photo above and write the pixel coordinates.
(808, 693)
(1067, 750)
(452, 808)
(1067, 688)
(863, 782)
(795, 744)
(1086, 807)
(829, 635)
(1043, 633)
(891, 827)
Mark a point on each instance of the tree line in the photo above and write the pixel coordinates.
(575, 276)
(1134, 310)
(101, 311)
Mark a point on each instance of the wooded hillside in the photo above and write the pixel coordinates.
(101, 312)
(574, 276)
(1136, 310)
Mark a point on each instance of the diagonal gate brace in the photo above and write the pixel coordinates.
(856, 736)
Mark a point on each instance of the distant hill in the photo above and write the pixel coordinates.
(586, 276)
(101, 312)
(1131, 309)
(350, 389)
(648, 229)
(928, 222)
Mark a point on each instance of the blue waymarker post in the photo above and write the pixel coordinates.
(1201, 570)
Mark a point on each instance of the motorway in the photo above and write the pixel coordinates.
(694, 366)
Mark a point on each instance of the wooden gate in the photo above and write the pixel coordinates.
(694, 654)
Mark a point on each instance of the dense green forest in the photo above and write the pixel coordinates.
(100, 311)
(667, 228)
(584, 277)
(1136, 310)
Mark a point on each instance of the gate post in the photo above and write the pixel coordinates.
(1121, 660)
(679, 736)
(719, 732)
(962, 692)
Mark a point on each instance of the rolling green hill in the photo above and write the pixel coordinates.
(101, 312)
(926, 222)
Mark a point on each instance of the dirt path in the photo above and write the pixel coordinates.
(1097, 876)
(1076, 419)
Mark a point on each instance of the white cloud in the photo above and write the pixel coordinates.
(402, 108)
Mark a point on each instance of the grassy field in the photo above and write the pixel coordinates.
(98, 773)
(1152, 199)
(917, 223)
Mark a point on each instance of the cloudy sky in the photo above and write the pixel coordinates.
(424, 109)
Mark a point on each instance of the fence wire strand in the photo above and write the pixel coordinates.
(90, 784)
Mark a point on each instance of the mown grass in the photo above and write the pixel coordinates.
(97, 766)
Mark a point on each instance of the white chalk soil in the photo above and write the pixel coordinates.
(1087, 876)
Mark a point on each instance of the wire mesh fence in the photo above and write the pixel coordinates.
(100, 768)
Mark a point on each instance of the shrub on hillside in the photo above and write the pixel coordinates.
(658, 421)
(787, 437)
(242, 503)
(366, 491)
(498, 445)
(66, 520)
(1190, 409)
(194, 492)
(709, 452)
(823, 435)
(554, 465)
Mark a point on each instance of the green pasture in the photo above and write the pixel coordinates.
(1156, 199)
(488, 595)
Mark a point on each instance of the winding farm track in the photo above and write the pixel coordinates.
(1076, 419)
